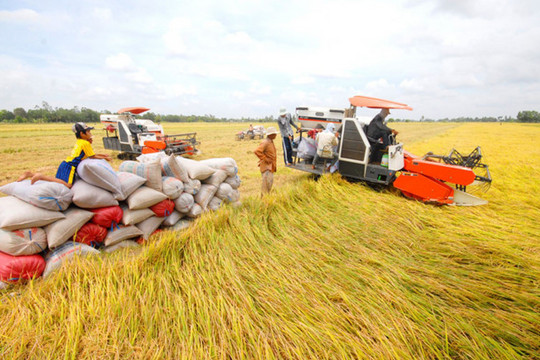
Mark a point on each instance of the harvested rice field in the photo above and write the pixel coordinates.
(319, 269)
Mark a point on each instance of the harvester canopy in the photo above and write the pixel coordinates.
(374, 103)
(133, 110)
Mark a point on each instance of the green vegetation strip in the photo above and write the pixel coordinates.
(324, 269)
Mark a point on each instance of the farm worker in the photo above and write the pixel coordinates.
(82, 150)
(285, 122)
(326, 141)
(266, 152)
(377, 129)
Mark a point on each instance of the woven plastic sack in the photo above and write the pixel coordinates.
(62, 230)
(122, 233)
(173, 218)
(129, 183)
(62, 254)
(184, 203)
(226, 164)
(108, 216)
(144, 197)
(149, 225)
(170, 166)
(16, 214)
(195, 211)
(126, 244)
(206, 194)
(163, 208)
(23, 242)
(195, 169)
(132, 217)
(150, 171)
(214, 204)
(217, 178)
(24, 267)
(235, 196)
(91, 234)
(192, 186)
(307, 148)
(234, 181)
(180, 225)
(224, 192)
(172, 187)
(88, 196)
(44, 194)
(151, 158)
(98, 172)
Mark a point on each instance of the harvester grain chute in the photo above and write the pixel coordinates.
(432, 178)
(131, 136)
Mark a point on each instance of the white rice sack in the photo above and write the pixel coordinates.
(150, 171)
(121, 234)
(224, 192)
(307, 148)
(62, 230)
(132, 217)
(217, 178)
(172, 187)
(99, 172)
(195, 211)
(173, 218)
(65, 252)
(234, 181)
(170, 166)
(226, 164)
(126, 244)
(180, 225)
(144, 197)
(23, 242)
(206, 194)
(129, 183)
(195, 169)
(215, 203)
(88, 196)
(236, 204)
(149, 225)
(235, 196)
(17, 214)
(151, 158)
(184, 203)
(192, 186)
(44, 194)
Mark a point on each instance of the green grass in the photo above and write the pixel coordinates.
(319, 269)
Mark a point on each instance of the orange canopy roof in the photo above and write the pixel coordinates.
(133, 110)
(374, 103)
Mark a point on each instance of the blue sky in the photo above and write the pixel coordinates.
(445, 58)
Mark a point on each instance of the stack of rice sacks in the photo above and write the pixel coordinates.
(44, 224)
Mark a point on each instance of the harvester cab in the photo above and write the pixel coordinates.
(431, 179)
(131, 136)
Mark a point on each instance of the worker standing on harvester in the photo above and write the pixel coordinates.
(266, 152)
(377, 129)
(285, 122)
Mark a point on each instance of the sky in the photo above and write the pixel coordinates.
(240, 58)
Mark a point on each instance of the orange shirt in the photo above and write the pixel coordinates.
(266, 152)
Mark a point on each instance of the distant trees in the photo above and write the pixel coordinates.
(528, 116)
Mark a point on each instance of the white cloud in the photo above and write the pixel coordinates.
(103, 14)
(120, 62)
(19, 16)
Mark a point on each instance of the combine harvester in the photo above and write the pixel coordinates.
(133, 137)
(431, 178)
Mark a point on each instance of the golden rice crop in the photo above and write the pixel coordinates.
(318, 269)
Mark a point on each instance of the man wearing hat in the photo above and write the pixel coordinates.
(82, 150)
(285, 122)
(266, 152)
(377, 129)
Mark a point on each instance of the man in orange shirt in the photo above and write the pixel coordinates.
(266, 152)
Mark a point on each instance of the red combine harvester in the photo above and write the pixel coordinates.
(132, 137)
(431, 178)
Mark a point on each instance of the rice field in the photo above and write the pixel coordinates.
(321, 269)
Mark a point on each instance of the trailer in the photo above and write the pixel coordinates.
(431, 178)
(132, 137)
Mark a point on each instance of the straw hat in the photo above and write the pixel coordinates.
(282, 111)
(271, 131)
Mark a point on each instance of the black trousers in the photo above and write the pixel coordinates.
(287, 150)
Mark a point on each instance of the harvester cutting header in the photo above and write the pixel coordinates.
(132, 137)
(431, 178)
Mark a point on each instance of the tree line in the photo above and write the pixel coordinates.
(46, 113)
